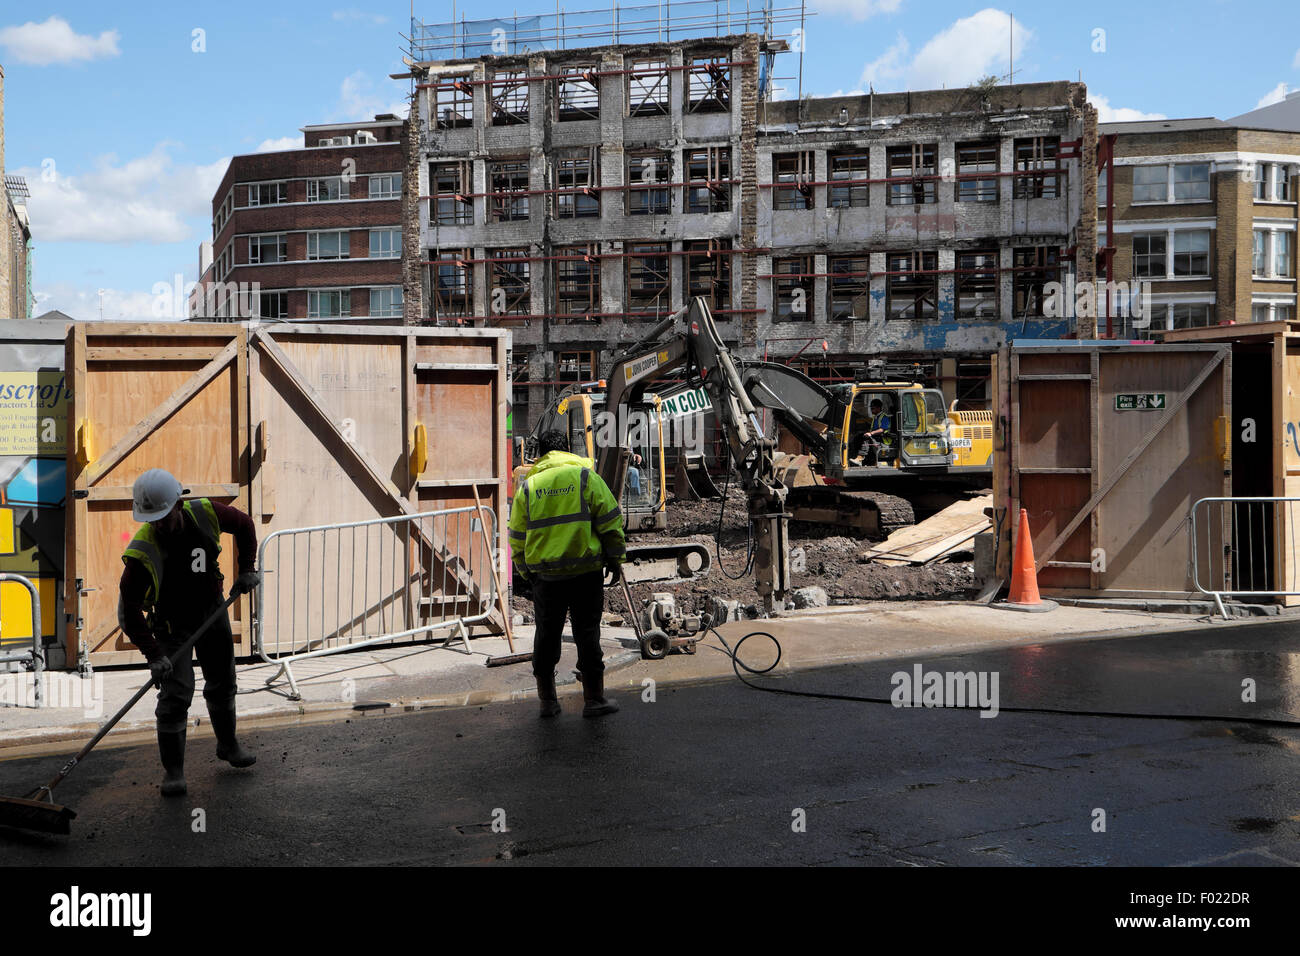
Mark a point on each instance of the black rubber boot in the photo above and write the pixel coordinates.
(171, 748)
(548, 700)
(228, 748)
(593, 692)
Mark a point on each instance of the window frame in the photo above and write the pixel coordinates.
(454, 299)
(1034, 267)
(1175, 183)
(1162, 183)
(647, 278)
(510, 269)
(280, 297)
(510, 97)
(920, 176)
(712, 283)
(344, 245)
(708, 84)
(1037, 162)
(450, 206)
(791, 175)
(344, 188)
(395, 304)
(451, 93)
(254, 196)
(716, 185)
(1193, 254)
(912, 275)
(393, 192)
(577, 176)
(392, 233)
(848, 277)
(510, 204)
(344, 299)
(281, 242)
(977, 283)
(576, 271)
(1149, 256)
(584, 104)
(648, 98)
(969, 188)
(850, 164)
(648, 200)
(788, 274)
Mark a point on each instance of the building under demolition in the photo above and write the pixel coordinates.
(577, 182)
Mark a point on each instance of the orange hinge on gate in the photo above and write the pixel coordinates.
(85, 450)
(1223, 434)
(419, 451)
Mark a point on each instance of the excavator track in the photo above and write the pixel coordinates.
(855, 511)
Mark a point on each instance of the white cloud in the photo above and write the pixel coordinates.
(1276, 95)
(1296, 62)
(358, 99)
(146, 199)
(346, 16)
(279, 144)
(967, 51)
(54, 41)
(129, 305)
(1119, 114)
(888, 67)
(858, 9)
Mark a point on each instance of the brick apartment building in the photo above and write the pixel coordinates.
(578, 194)
(313, 233)
(1204, 210)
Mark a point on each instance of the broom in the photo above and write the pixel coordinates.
(37, 810)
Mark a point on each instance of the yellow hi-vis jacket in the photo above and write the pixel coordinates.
(564, 520)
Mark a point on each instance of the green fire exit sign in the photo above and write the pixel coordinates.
(1139, 401)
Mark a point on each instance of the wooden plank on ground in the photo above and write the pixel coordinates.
(935, 536)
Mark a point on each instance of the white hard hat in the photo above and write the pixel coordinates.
(154, 495)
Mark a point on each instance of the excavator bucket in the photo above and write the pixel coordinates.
(692, 481)
(795, 471)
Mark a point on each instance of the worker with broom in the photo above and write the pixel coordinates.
(565, 529)
(170, 584)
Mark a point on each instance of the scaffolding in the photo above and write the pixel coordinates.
(568, 29)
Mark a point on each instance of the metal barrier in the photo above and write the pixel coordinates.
(36, 653)
(338, 587)
(1237, 544)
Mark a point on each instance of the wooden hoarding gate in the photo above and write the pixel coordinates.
(1107, 447)
(298, 425)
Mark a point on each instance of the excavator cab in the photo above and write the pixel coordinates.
(915, 420)
(577, 412)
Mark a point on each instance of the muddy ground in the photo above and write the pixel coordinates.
(828, 559)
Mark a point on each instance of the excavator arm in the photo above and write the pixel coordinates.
(689, 340)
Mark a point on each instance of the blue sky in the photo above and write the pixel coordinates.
(123, 129)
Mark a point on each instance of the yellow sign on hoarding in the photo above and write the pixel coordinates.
(34, 413)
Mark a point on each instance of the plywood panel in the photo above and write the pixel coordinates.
(451, 407)
(1052, 500)
(1139, 527)
(1142, 523)
(1053, 363)
(200, 443)
(1055, 424)
(455, 352)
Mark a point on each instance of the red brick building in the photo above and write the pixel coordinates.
(313, 233)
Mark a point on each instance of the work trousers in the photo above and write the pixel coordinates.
(216, 653)
(582, 598)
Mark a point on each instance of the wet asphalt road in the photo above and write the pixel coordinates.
(715, 774)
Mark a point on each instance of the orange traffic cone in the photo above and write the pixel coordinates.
(1024, 579)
